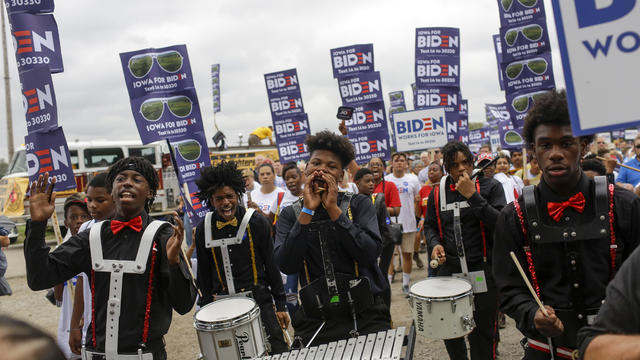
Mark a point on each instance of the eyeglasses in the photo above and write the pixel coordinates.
(188, 149)
(506, 4)
(537, 66)
(532, 32)
(152, 109)
(521, 103)
(169, 61)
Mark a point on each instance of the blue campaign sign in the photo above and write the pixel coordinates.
(38, 99)
(360, 88)
(36, 41)
(215, 84)
(528, 74)
(286, 104)
(437, 71)
(513, 12)
(420, 129)
(524, 40)
(510, 136)
(281, 82)
(47, 151)
(350, 60)
(29, 6)
(430, 97)
(600, 50)
(368, 132)
(519, 104)
(191, 154)
(437, 41)
(496, 113)
(194, 208)
(497, 47)
(396, 98)
(291, 133)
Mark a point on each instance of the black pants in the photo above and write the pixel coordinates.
(273, 328)
(375, 318)
(485, 314)
(386, 256)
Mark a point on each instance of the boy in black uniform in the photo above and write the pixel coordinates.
(251, 260)
(480, 201)
(141, 311)
(332, 240)
(570, 232)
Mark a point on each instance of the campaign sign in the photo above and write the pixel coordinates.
(156, 70)
(370, 144)
(600, 50)
(286, 104)
(457, 126)
(350, 60)
(291, 134)
(47, 151)
(437, 41)
(463, 108)
(36, 41)
(396, 109)
(513, 12)
(367, 117)
(496, 113)
(420, 129)
(29, 6)
(519, 104)
(360, 88)
(281, 82)
(479, 136)
(426, 98)
(528, 74)
(497, 47)
(161, 116)
(38, 99)
(191, 154)
(215, 84)
(510, 136)
(524, 40)
(195, 209)
(396, 98)
(438, 71)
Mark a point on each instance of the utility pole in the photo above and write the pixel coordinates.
(7, 89)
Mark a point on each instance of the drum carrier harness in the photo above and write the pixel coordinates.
(536, 232)
(117, 269)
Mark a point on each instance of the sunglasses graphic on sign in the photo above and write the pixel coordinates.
(188, 149)
(506, 4)
(512, 137)
(537, 66)
(140, 65)
(152, 109)
(521, 103)
(531, 32)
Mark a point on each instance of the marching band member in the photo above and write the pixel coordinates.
(479, 202)
(253, 268)
(570, 232)
(141, 304)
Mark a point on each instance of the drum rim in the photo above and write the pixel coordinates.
(229, 323)
(441, 299)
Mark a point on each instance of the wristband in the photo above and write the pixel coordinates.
(308, 211)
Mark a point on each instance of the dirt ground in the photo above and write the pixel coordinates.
(182, 342)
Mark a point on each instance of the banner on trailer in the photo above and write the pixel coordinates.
(191, 154)
(600, 50)
(420, 129)
(497, 47)
(528, 74)
(350, 60)
(513, 12)
(291, 133)
(396, 98)
(156, 70)
(286, 104)
(161, 116)
(36, 41)
(430, 97)
(215, 84)
(438, 71)
(47, 151)
(39, 99)
(437, 41)
(524, 40)
(281, 82)
(360, 88)
(29, 6)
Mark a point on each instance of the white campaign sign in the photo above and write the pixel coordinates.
(420, 129)
(600, 48)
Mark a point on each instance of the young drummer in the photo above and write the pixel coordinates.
(251, 260)
(570, 234)
(151, 289)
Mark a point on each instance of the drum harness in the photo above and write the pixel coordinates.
(117, 269)
(540, 233)
(477, 279)
(358, 296)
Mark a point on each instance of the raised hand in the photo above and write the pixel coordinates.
(42, 198)
(310, 197)
(175, 241)
(465, 186)
(330, 197)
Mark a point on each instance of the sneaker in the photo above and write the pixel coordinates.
(419, 262)
(502, 320)
(423, 248)
(405, 290)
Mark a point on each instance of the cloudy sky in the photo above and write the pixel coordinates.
(250, 38)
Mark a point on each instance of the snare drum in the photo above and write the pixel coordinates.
(230, 328)
(442, 307)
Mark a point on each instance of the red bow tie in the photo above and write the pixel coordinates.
(135, 224)
(557, 209)
(452, 187)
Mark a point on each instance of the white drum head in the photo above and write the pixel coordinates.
(225, 309)
(440, 287)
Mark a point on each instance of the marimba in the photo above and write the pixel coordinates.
(381, 346)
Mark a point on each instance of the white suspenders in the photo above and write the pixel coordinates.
(118, 268)
(223, 244)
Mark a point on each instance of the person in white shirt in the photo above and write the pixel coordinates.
(249, 185)
(277, 166)
(262, 199)
(512, 185)
(409, 189)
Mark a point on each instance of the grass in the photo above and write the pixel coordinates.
(49, 234)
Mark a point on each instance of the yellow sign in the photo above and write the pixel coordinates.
(245, 160)
(12, 192)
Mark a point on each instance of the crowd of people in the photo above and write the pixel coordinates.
(315, 240)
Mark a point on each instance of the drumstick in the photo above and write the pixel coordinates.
(623, 165)
(284, 331)
(193, 277)
(526, 280)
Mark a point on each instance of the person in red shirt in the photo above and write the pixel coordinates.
(434, 175)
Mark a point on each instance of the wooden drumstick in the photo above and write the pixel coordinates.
(526, 280)
(620, 164)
